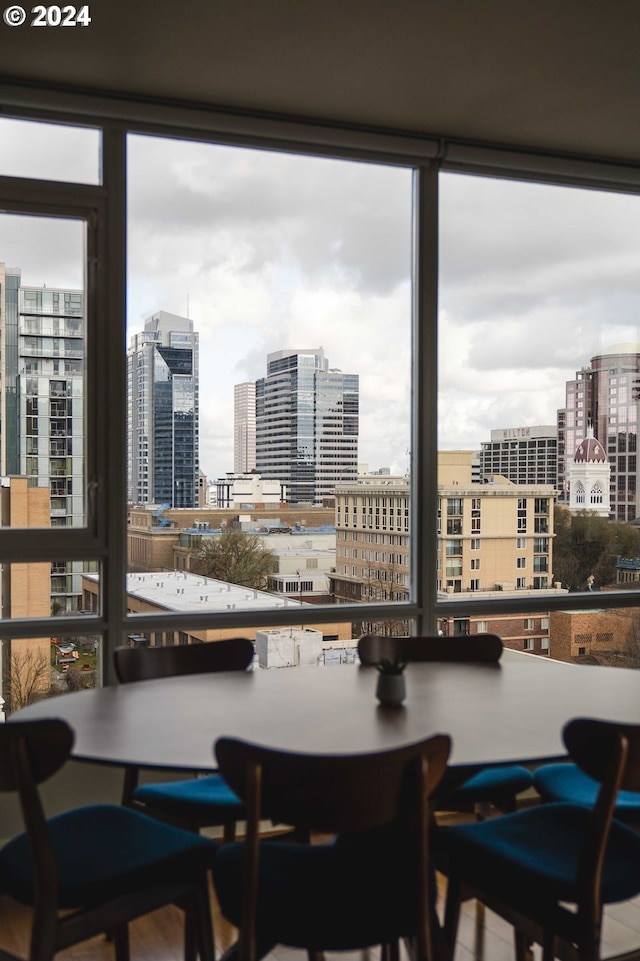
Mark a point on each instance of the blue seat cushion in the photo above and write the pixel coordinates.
(104, 851)
(340, 896)
(491, 784)
(534, 854)
(205, 799)
(567, 782)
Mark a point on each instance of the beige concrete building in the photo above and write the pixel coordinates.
(493, 537)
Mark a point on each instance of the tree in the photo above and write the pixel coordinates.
(235, 557)
(29, 678)
(587, 545)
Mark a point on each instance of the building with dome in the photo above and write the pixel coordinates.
(604, 395)
(589, 478)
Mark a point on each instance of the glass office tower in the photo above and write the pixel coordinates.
(307, 418)
(162, 384)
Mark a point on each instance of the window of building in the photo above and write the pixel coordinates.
(521, 562)
(482, 627)
(229, 278)
(529, 623)
(528, 644)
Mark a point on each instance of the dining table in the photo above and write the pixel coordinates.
(511, 711)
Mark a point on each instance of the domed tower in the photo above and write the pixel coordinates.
(589, 478)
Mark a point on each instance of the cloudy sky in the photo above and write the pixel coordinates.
(266, 251)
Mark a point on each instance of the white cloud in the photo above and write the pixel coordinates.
(267, 251)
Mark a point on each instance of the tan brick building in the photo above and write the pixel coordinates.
(26, 591)
(492, 537)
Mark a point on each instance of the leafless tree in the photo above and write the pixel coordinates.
(29, 677)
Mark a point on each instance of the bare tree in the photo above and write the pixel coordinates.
(29, 677)
(235, 557)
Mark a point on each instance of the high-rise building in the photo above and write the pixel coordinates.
(307, 417)
(162, 410)
(42, 373)
(244, 427)
(604, 396)
(524, 455)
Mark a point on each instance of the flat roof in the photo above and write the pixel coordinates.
(183, 591)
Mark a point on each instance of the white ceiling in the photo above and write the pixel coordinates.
(561, 75)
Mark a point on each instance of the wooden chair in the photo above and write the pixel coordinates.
(200, 801)
(94, 869)
(371, 885)
(495, 785)
(550, 869)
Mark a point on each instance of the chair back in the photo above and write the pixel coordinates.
(32, 750)
(482, 648)
(146, 663)
(596, 745)
(337, 794)
(30, 753)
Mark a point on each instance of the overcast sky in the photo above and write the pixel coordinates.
(267, 251)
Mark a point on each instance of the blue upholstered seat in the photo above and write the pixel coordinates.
(204, 799)
(323, 896)
(103, 850)
(535, 852)
(566, 782)
(493, 785)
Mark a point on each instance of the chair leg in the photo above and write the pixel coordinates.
(228, 832)
(479, 929)
(452, 912)
(201, 923)
(522, 946)
(390, 951)
(121, 942)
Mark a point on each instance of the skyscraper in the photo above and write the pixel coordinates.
(244, 427)
(162, 409)
(604, 396)
(42, 372)
(307, 418)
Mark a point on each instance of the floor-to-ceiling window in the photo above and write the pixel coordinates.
(285, 282)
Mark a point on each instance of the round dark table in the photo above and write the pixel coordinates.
(512, 711)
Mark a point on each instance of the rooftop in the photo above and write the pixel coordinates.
(182, 591)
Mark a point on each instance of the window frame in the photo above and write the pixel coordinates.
(105, 206)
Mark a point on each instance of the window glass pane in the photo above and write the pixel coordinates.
(269, 321)
(48, 151)
(43, 336)
(34, 668)
(539, 370)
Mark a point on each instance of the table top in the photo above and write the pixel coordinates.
(495, 713)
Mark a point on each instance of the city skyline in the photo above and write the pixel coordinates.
(265, 251)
